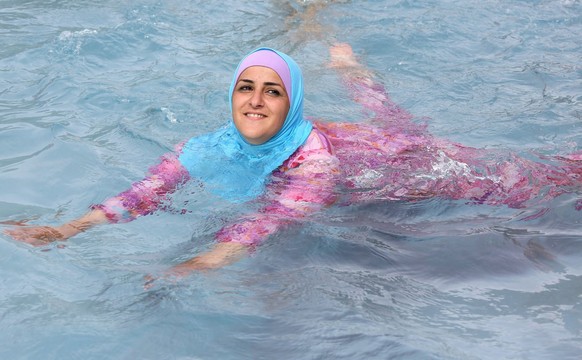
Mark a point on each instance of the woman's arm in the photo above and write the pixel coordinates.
(372, 96)
(145, 196)
(142, 198)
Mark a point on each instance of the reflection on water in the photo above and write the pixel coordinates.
(92, 94)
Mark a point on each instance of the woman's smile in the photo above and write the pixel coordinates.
(255, 116)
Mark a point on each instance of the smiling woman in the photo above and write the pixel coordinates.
(267, 135)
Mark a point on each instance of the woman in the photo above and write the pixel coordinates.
(269, 153)
(267, 140)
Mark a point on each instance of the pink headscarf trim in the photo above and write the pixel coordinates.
(271, 60)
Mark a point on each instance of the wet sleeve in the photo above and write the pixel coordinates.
(303, 188)
(146, 196)
(377, 103)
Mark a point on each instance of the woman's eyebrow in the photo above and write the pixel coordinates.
(268, 83)
(273, 84)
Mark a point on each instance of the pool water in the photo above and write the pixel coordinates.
(92, 93)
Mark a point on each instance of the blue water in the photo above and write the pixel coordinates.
(93, 92)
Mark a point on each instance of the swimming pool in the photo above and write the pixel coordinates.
(92, 93)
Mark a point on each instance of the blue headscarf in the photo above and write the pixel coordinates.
(225, 162)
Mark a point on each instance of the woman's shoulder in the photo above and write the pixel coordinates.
(317, 141)
(316, 147)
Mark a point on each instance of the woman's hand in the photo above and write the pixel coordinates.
(36, 235)
(222, 254)
(342, 58)
(43, 235)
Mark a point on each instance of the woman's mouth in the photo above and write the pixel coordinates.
(255, 116)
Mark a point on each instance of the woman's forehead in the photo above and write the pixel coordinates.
(261, 74)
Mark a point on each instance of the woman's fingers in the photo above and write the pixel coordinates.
(172, 275)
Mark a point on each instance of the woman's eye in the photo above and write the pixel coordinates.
(244, 88)
(274, 92)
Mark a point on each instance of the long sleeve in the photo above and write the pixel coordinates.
(378, 104)
(145, 196)
(303, 185)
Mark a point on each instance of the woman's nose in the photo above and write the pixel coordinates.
(257, 99)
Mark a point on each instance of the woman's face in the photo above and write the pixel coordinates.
(259, 104)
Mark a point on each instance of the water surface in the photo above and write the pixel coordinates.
(92, 93)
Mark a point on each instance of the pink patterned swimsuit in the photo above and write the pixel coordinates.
(388, 158)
